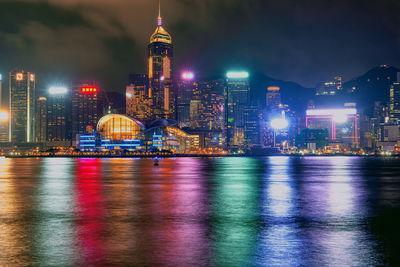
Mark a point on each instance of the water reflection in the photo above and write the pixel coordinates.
(199, 212)
(336, 209)
(54, 233)
(90, 211)
(17, 210)
(119, 177)
(174, 217)
(235, 216)
(279, 241)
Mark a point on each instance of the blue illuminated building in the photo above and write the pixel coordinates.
(120, 132)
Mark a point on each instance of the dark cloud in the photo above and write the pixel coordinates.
(303, 41)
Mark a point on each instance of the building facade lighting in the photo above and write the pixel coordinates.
(58, 90)
(340, 118)
(331, 112)
(237, 75)
(279, 124)
(187, 75)
(89, 90)
(19, 76)
(3, 115)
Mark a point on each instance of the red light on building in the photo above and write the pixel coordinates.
(89, 90)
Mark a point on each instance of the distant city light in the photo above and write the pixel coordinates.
(237, 75)
(279, 123)
(162, 78)
(3, 115)
(89, 90)
(187, 75)
(129, 95)
(58, 90)
(331, 112)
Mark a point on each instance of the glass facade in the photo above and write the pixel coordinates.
(58, 117)
(237, 98)
(22, 92)
(85, 107)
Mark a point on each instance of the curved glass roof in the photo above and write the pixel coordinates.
(108, 117)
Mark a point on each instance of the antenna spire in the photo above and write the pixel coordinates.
(159, 20)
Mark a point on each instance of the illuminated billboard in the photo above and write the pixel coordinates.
(58, 90)
(237, 75)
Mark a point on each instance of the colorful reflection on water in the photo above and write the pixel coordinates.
(274, 211)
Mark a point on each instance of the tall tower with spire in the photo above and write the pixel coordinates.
(160, 64)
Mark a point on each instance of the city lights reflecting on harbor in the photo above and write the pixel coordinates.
(90, 211)
(287, 211)
(55, 209)
(279, 234)
(334, 200)
(235, 199)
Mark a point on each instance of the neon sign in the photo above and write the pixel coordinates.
(19, 76)
(89, 90)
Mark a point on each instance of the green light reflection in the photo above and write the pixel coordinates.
(235, 210)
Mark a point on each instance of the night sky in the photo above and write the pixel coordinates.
(302, 41)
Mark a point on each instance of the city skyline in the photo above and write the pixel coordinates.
(319, 54)
(179, 111)
(199, 133)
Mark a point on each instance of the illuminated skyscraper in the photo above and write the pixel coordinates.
(237, 98)
(195, 109)
(212, 105)
(252, 125)
(273, 97)
(58, 114)
(187, 86)
(394, 102)
(85, 107)
(137, 97)
(160, 64)
(3, 116)
(41, 120)
(22, 89)
(1, 92)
